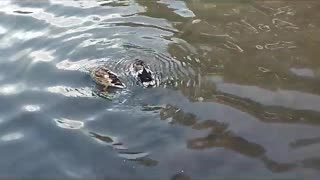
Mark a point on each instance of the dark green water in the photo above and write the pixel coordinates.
(239, 94)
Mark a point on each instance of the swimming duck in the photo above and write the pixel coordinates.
(106, 78)
(143, 74)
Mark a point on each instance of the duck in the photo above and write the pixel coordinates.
(141, 71)
(106, 78)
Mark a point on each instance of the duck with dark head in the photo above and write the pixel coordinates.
(143, 74)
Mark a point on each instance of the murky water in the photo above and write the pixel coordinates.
(239, 93)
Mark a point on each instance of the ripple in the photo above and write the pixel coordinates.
(281, 24)
(82, 65)
(11, 89)
(234, 46)
(26, 35)
(287, 10)
(280, 45)
(22, 12)
(264, 27)
(102, 138)
(71, 92)
(116, 3)
(111, 43)
(80, 29)
(133, 155)
(84, 35)
(85, 4)
(299, 143)
(12, 136)
(232, 117)
(69, 124)
(249, 26)
(31, 108)
(119, 146)
(18, 36)
(42, 56)
(3, 30)
(20, 55)
(284, 98)
(180, 7)
(56, 20)
(304, 72)
(40, 14)
(4, 3)
(166, 68)
(12, 9)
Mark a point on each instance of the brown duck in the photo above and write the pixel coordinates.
(106, 78)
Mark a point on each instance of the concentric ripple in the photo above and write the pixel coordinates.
(125, 52)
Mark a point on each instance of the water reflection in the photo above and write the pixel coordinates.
(300, 143)
(11, 136)
(43, 56)
(2, 30)
(220, 136)
(72, 92)
(180, 176)
(115, 3)
(11, 89)
(179, 7)
(105, 139)
(80, 4)
(125, 153)
(239, 88)
(68, 123)
(210, 43)
(230, 43)
(31, 108)
(304, 72)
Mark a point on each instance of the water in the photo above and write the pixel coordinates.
(239, 93)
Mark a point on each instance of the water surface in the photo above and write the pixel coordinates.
(239, 93)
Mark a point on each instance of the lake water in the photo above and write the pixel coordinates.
(239, 93)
